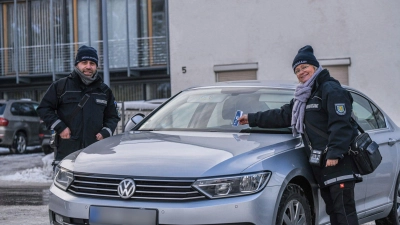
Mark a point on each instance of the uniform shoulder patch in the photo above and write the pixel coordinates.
(340, 109)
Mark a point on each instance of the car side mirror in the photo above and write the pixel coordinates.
(134, 121)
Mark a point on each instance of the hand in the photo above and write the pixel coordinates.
(243, 119)
(66, 133)
(331, 162)
(99, 137)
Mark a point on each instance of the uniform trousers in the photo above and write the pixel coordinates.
(340, 204)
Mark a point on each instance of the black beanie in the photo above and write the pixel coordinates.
(86, 53)
(305, 56)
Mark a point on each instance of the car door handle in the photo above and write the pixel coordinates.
(392, 141)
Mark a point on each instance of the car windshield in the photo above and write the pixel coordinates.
(214, 109)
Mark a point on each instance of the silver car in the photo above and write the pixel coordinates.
(186, 163)
(19, 125)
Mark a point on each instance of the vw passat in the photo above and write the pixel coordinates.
(186, 163)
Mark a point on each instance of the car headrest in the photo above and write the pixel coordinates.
(246, 103)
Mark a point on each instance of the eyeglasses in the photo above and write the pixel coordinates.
(301, 68)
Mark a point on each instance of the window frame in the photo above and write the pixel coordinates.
(371, 103)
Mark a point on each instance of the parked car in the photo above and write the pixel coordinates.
(185, 163)
(45, 135)
(19, 125)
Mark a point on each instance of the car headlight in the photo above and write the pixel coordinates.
(63, 178)
(232, 186)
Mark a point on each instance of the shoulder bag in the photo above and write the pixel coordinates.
(365, 152)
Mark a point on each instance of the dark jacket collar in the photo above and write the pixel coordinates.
(323, 77)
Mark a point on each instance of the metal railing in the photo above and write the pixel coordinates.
(144, 52)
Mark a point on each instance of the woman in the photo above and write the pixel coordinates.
(320, 105)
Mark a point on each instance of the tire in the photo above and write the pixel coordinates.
(19, 144)
(394, 216)
(47, 149)
(294, 207)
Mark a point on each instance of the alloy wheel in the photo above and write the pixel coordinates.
(294, 214)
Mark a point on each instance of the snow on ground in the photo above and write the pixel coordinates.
(31, 167)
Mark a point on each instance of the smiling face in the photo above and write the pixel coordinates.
(87, 67)
(304, 72)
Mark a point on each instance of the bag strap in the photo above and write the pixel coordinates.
(80, 105)
(358, 125)
(103, 87)
(308, 140)
(316, 130)
(60, 89)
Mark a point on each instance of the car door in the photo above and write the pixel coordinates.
(31, 120)
(381, 182)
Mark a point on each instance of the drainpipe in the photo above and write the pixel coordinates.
(52, 41)
(16, 55)
(106, 72)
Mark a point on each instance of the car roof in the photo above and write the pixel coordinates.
(285, 84)
(17, 100)
(253, 83)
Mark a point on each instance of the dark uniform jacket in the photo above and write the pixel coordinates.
(99, 114)
(329, 109)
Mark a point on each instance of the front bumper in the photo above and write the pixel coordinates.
(258, 208)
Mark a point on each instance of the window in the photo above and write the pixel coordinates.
(15, 109)
(338, 68)
(367, 115)
(214, 109)
(236, 75)
(23, 109)
(231, 72)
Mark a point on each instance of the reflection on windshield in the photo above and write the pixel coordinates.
(214, 109)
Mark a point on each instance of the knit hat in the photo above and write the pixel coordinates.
(305, 56)
(86, 53)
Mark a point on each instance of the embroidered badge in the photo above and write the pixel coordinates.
(312, 106)
(340, 109)
(100, 101)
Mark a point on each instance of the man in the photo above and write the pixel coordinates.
(80, 108)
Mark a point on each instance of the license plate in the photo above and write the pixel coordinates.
(99, 215)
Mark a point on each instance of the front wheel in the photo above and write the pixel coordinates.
(394, 216)
(294, 207)
(19, 143)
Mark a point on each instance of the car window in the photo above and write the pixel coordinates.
(214, 109)
(366, 114)
(23, 109)
(32, 109)
(15, 109)
(2, 108)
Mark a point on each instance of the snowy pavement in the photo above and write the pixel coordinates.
(31, 168)
(19, 171)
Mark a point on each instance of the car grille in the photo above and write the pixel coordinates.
(145, 188)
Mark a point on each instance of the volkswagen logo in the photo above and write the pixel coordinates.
(126, 188)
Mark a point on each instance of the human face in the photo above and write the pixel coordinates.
(304, 72)
(87, 67)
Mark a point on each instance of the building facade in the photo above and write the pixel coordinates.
(217, 40)
(39, 40)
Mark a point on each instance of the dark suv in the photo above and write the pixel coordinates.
(19, 125)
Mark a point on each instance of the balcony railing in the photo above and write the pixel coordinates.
(143, 52)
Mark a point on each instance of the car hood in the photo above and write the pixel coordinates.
(177, 154)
